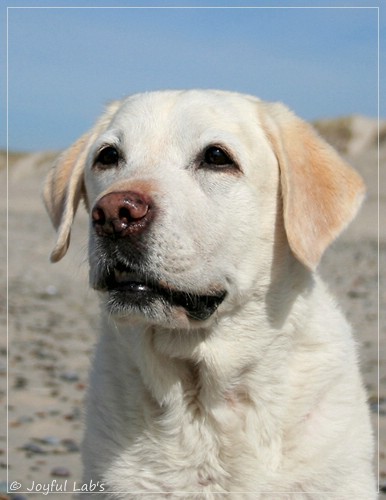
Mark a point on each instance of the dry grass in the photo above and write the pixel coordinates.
(337, 132)
(15, 157)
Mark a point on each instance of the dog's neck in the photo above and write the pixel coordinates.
(212, 365)
(185, 381)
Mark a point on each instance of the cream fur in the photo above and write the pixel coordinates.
(264, 399)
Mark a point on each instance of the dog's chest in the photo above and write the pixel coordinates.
(192, 446)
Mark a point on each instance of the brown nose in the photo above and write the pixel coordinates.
(122, 214)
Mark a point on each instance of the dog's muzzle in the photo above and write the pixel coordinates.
(121, 221)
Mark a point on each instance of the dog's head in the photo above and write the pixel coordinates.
(194, 196)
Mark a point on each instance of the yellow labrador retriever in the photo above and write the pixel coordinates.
(224, 368)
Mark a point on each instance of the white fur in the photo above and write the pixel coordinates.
(264, 399)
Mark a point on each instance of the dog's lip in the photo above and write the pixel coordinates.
(125, 281)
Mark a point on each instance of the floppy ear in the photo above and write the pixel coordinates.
(321, 193)
(62, 192)
(64, 185)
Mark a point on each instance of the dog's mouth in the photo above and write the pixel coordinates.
(128, 288)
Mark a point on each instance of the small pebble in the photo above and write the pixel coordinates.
(42, 354)
(357, 294)
(3, 367)
(376, 405)
(25, 419)
(60, 472)
(51, 440)
(70, 445)
(75, 415)
(20, 382)
(51, 290)
(33, 448)
(382, 406)
(69, 376)
(14, 423)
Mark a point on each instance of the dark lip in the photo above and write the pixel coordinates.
(140, 290)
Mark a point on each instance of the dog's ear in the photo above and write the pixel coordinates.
(321, 193)
(63, 190)
(64, 185)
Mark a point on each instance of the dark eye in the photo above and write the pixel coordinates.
(108, 156)
(216, 156)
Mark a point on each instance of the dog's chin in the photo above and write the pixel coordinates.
(129, 294)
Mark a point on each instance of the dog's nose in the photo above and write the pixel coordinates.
(122, 214)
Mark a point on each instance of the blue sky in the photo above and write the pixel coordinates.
(65, 64)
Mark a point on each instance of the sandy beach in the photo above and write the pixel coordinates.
(53, 318)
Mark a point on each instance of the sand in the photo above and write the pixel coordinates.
(53, 322)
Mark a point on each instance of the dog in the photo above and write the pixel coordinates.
(224, 368)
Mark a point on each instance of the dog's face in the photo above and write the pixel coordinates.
(190, 160)
(193, 197)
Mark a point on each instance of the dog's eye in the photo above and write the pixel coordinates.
(216, 156)
(108, 156)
